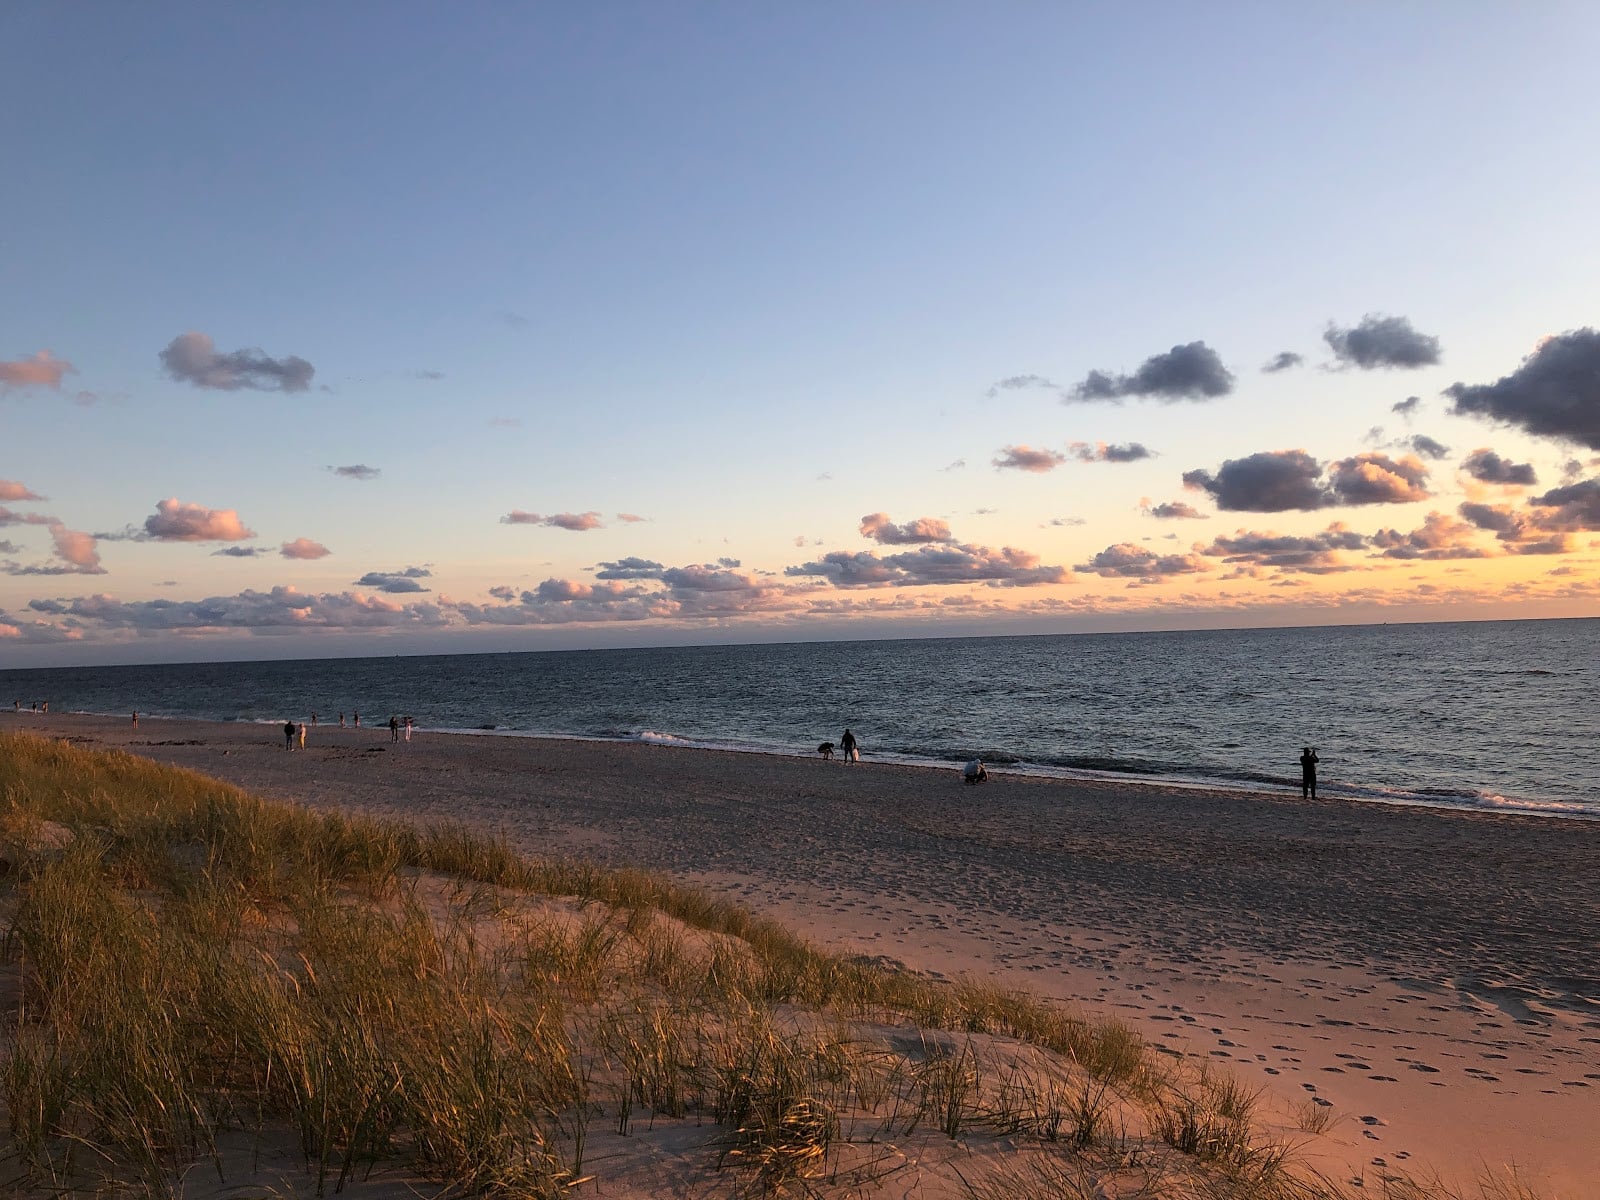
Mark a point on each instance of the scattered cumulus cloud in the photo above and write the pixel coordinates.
(1017, 383)
(934, 566)
(75, 553)
(174, 521)
(395, 581)
(576, 522)
(303, 549)
(1109, 452)
(1291, 480)
(1283, 361)
(1067, 521)
(41, 370)
(194, 359)
(357, 471)
(1440, 537)
(1555, 393)
(1127, 561)
(1171, 510)
(1189, 372)
(1380, 342)
(1377, 479)
(1424, 445)
(279, 609)
(1573, 507)
(631, 518)
(1488, 467)
(1313, 554)
(239, 552)
(11, 490)
(1406, 407)
(1026, 458)
(922, 531)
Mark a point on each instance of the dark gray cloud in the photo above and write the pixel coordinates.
(193, 358)
(1125, 452)
(1127, 561)
(1440, 538)
(1505, 523)
(238, 552)
(503, 592)
(1554, 393)
(1488, 467)
(1424, 445)
(1380, 342)
(1406, 407)
(1283, 361)
(1291, 481)
(395, 581)
(932, 566)
(630, 568)
(1173, 510)
(921, 532)
(1570, 508)
(1270, 481)
(1316, 554)
(9, 548)
(1026, 458)
(1188, 372)
(358, 471)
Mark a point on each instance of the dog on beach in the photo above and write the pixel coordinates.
(826, 749)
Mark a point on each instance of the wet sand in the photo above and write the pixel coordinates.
(1433, 976)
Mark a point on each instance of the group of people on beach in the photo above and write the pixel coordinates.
(38, 706)
(296, 731)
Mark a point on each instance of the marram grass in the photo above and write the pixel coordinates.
(188, 962)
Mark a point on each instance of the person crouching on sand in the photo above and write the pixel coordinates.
(975, 772)
(1308, 773)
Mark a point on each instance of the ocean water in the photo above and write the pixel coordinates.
(1485, 715)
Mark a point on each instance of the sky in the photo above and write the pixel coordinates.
(406, 328)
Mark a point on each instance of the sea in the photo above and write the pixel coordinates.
(1497, 716)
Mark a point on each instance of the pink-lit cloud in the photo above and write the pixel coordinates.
(175, 521)
(1108, 452)
(1171, 510)
(941, 565)
(10, 489)
(1026, 458)
(1440, 537)
(921, 532)
(41, 370)
(1127, 561)
(576, 522)
(76, 553)
(303, 548)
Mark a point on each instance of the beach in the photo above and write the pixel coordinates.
(1432, 975)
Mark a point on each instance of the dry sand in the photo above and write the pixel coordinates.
(1432, 975)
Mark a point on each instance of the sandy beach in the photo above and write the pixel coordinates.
(1431, 975)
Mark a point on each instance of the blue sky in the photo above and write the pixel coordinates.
(752, 274)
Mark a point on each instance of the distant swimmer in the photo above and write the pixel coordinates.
(288, 735)
(1308, 773)
(847, 747)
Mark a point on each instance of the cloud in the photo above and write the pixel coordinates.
(1424, 445)
(9, 548)
(630, 568)
(1314, 554)
(76, 553)
(1574, 507)
(503, 592)
(11, 517)
(1503, 522)
(1283, 361)
(428, 375)
(239, 552)
(932, 566)
(1382, 342)
(42, 370)
(576, 522)
(192, 358)
(359, 471)
(1270, 481)
(304, 549)
(1015, 383)
(1488, 467)
(1127, 561)
(279, 608)
(1554, 393)
(1406, 407)
(922, 531)
(10, 489)
(395, 581)
(1378, 479)
(177, 522)
(1190, 372)
(1172, 510)
(636, 590)
(1110, 453)
(1026, 458)
(1440, 537)
(631, 518)
(1067, 521)
(1291, 480)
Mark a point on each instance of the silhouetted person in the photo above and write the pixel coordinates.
(136, 718)
(1308, 773)
(357, 718)
(341, 720)
(847, 747)
(825, 749)
(288, 735)
(394, 729)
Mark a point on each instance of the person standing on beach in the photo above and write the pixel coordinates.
(288, 735)
(847, 747)
(1308, 773)
(357, 717)
(302, 733)
(341, 720)
(394, 728)
(136, 718)
(408, 729)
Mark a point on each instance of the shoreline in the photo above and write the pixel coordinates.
(1483, 803)
(1428, 972)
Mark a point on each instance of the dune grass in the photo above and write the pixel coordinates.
(187, 961)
